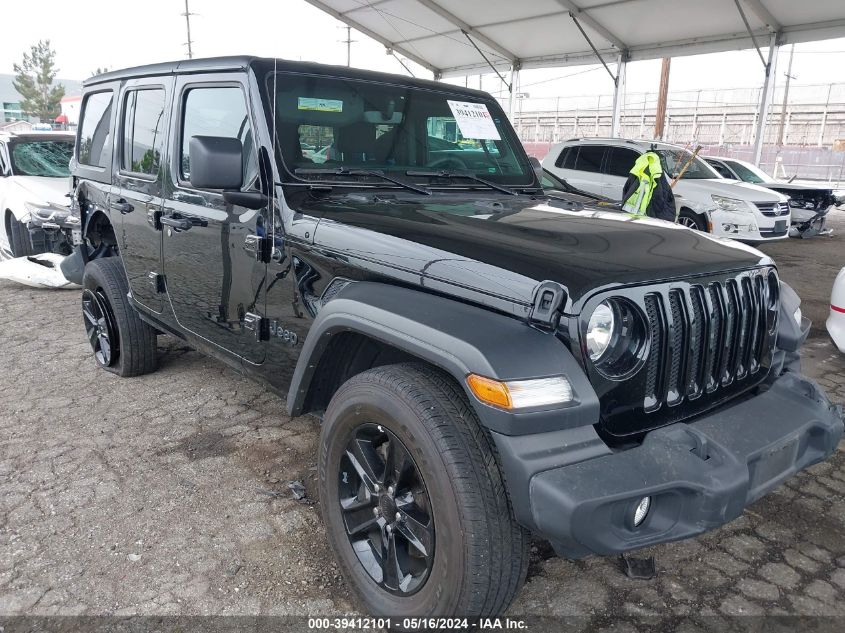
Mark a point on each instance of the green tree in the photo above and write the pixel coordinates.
(34, 81)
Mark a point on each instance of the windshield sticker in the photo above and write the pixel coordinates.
(320, 105)
(474, 120)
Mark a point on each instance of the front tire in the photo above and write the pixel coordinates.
(19, 240)
(122, 343)
(692, 221)
(435, 536)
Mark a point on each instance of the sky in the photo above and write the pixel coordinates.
(109, 33)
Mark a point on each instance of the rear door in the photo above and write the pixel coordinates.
(580, 166)
(142, 139)
(617, 168)
(215, 283)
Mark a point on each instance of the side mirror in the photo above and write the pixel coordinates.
(216, 162)
(538, 167)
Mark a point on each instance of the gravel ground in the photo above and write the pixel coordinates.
(168, 494)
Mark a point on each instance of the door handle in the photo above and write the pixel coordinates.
(122, 206)
(180, 224)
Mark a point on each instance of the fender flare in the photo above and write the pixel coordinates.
(459, 339)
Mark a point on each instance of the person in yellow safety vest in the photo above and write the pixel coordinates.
(647, 190)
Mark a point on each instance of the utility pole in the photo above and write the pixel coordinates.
(188, 15)
(786, 95)
(348, 41)
(662, 97)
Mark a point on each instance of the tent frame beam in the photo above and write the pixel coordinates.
(766, 97)
(467, 29)
(764, 15)
(390, 46)
(589, 20)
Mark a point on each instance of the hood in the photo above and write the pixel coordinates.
(41, 190)
(727, 188)
(504, 247)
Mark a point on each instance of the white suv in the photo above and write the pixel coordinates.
(34, 185)
(705, 200)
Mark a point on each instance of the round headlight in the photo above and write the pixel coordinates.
(600, 331)
(616, 338)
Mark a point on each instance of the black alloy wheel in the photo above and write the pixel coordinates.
(386, 510)
(100, 326)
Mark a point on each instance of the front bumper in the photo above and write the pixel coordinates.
(52, 232)
(699, 475)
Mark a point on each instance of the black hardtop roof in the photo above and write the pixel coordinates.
(242, 62)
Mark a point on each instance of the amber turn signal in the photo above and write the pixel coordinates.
(521, 394)
(490, 391)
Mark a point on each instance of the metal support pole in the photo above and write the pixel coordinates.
(514, 79)
(789, 77)
(824, 116)
(556, 133)
(618, 93)
(766, 98)
(598, 114)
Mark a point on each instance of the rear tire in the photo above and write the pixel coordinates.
(692, 221)
(122, 343)
(476, 553)
(19, 240)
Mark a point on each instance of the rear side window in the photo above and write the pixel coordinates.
(724, 172)
(619, 161)
(589, 158)
(217, 111)
(143, 131)
(95, 129)
(567, 157)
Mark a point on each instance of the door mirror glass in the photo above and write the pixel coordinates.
(216, 162)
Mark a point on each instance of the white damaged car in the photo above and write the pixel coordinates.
(836, 320)
(34, 188)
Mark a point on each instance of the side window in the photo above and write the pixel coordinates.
(724, 172)
(95, 130)
(589, 158)
(619, 161)
(2, 158)
(217, 111)
(143, 131)
(567, 157)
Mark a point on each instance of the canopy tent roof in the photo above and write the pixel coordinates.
(442, 35)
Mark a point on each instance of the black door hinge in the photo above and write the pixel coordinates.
(548, 302)
(258, 325)
(157, 281)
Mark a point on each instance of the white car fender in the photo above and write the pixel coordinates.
(836, 321)
(13, 197)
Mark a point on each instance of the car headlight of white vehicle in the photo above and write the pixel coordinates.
(734, 205)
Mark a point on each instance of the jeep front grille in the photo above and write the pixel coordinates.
(709, 338)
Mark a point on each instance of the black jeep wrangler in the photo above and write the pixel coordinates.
(379, 250)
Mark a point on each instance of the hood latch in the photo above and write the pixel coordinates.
(548, 302)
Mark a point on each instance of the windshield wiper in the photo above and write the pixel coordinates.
(345, 171)
(444, 173)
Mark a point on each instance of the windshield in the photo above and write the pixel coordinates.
(674, 160)
(50, 158)
(328, 122)
(747, 173)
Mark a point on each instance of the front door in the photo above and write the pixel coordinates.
(144, 113)
(216, 286)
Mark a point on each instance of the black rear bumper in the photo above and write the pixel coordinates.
(699, 475)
